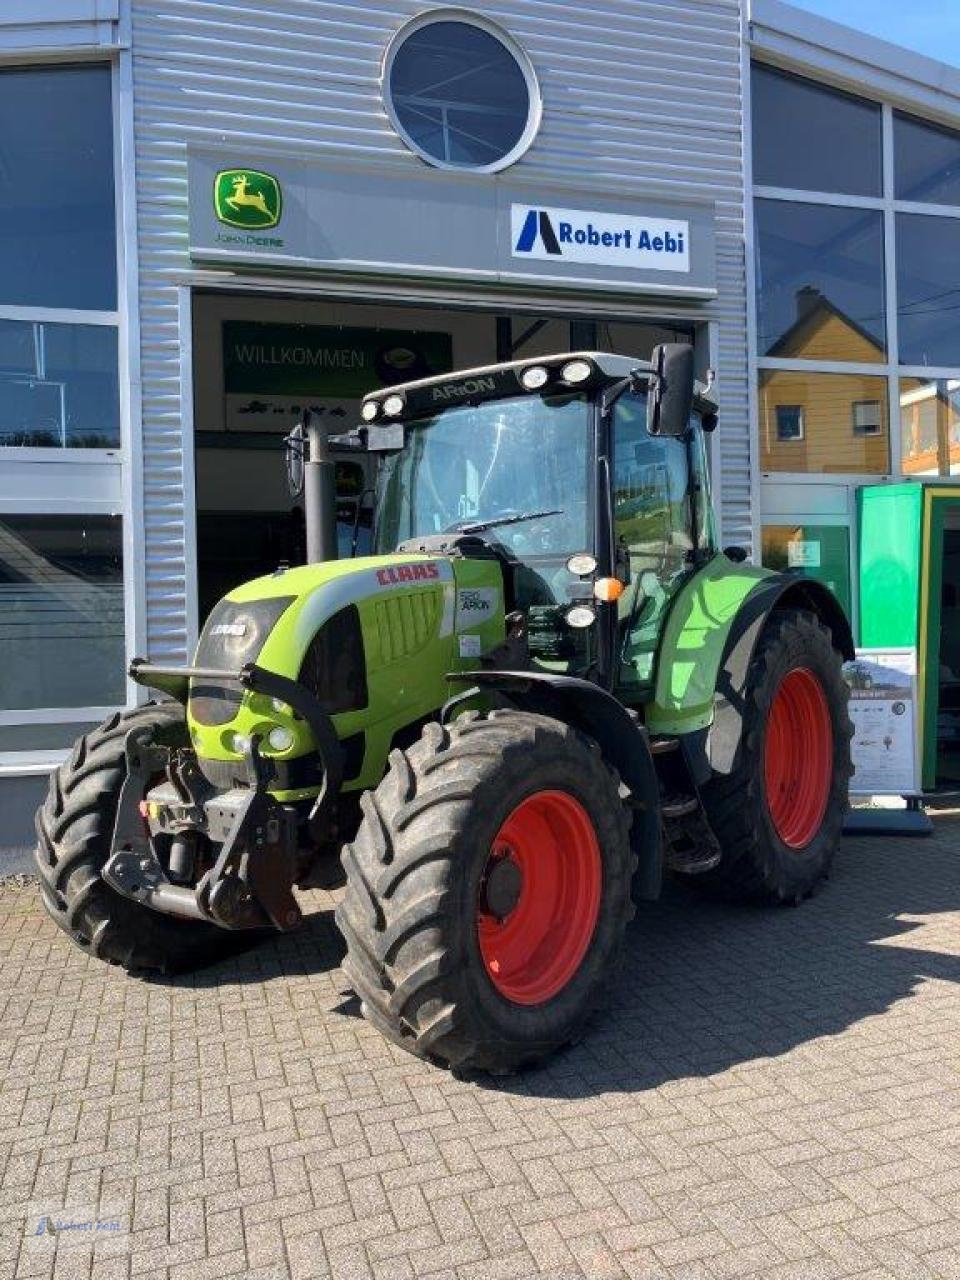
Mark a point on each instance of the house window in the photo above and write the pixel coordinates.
(866, 417)
(789, 422)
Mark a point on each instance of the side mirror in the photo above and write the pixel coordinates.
(670, 398)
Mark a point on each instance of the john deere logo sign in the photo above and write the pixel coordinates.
(247, 198)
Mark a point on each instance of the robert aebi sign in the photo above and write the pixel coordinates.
(601, 239)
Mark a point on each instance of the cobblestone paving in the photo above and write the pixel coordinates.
(770, 1094)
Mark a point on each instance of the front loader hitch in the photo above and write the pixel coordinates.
(250, 885)
(253, 876)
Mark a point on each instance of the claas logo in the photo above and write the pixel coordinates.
(397, 575)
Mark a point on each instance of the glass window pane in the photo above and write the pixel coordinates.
(821, 551)
(59, 385)
(459, 94)
(926, 161)
(928, 295)
(42, 737)
(58, 247)
(820, 291)
(61, 611)
(930, 426)
(811, 422)
(813, 138)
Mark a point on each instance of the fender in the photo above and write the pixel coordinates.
(621, 738)
(723, 738)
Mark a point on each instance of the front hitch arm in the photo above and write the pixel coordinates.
(251, 884)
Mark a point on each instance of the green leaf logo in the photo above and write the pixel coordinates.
(247, 198)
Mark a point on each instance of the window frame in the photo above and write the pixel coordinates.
(520, 56)
(911, 117)
(795, 408)
(13, 761)
(889, 367)
(78, 315)
(95, 481)
(852, 95)
(860, 431)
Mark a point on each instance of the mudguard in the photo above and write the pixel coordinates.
(622, 739)
(777, 591)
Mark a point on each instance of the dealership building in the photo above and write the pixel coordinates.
(218, 215)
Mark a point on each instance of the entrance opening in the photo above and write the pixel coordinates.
(948, 701)
(259, 360)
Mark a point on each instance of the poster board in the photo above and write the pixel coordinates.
(883, 708)
(272, 371)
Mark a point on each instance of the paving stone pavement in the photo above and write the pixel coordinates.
(770, 1093)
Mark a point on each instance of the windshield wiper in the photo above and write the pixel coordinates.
(479, 525)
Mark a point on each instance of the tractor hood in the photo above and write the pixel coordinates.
(372, 639)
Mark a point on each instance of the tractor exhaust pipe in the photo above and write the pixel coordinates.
(319, 492)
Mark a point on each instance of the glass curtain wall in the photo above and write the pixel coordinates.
(61, 571)
(857, 258)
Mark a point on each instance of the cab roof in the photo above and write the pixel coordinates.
(495, 380)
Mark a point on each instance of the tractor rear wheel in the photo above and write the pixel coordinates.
(487, 891)
(74, 832)
(778, 815)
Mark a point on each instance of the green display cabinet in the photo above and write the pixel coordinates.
(909, 576)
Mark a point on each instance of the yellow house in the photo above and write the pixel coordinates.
(824, 422)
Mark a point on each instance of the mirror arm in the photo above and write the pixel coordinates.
(638, 380)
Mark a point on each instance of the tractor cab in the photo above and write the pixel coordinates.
(568, 471)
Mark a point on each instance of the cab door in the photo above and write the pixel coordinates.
(658, 520)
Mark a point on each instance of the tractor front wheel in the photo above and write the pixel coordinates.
(778, 814)
(487, 891)
(74, 833)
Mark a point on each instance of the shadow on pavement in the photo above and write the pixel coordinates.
(704, 986)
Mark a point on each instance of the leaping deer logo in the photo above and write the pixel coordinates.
(241, 196)
(247, 198)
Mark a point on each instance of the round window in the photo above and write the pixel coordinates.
(460, 92)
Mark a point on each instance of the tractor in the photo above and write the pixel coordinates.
(548, 689)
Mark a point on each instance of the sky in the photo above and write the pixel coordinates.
(929, 26)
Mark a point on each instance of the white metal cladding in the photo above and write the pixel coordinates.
(642, 94)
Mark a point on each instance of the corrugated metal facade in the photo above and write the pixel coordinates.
(642, 94)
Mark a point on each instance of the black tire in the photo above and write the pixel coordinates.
(413, 878)
(757, 865)
(74, 830)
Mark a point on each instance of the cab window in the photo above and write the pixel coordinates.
(653, 532)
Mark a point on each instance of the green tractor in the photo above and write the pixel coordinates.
(547, 689)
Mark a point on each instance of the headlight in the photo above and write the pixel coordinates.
(575, 371)
(280, 738)
(581, 615)
(369, 410)
(393, 405)
(581, 564)
(534, 378)
(237, 742)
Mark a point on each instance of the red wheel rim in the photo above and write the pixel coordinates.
(534, 947)
(798, 759)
